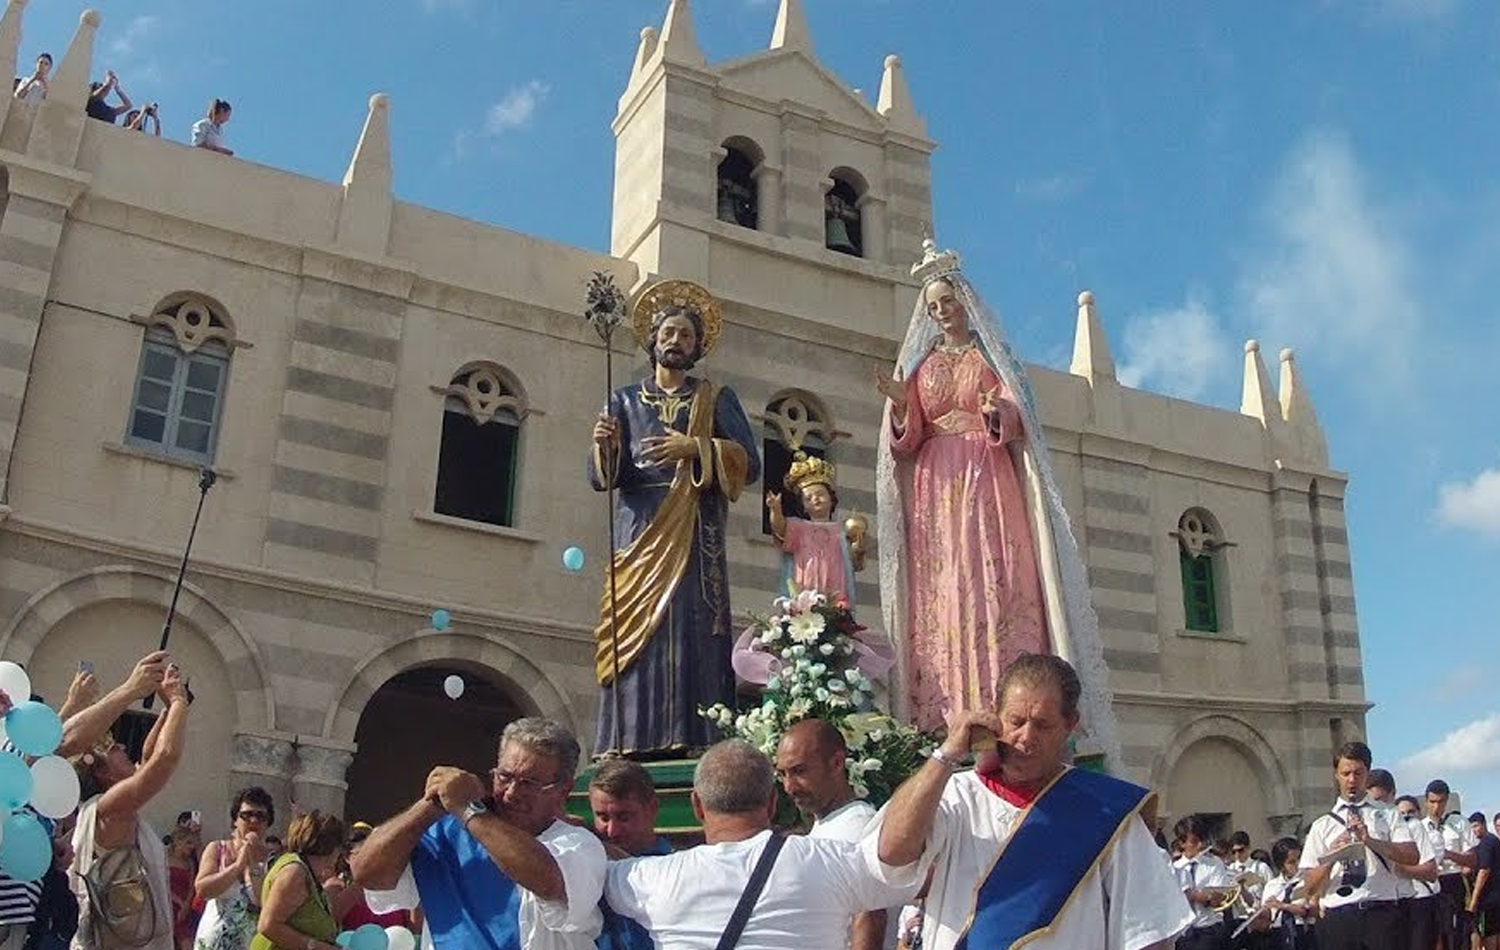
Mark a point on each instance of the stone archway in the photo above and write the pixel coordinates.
(1219, 763)
(501, 685)
(111, 616)
(254, 705)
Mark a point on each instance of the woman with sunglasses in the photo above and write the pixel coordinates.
(231, 871)
(296, 913)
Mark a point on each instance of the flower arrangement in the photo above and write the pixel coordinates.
(812, 664)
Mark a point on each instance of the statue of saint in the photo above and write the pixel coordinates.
(819, 553)
(978, 563)
(679, 450)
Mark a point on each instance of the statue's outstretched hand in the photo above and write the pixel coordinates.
(989, 401)
(891, 387)
(773, 501)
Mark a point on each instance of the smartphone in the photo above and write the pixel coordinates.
(85, 666)
(196, 817)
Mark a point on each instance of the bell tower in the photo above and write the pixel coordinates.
(769, 180)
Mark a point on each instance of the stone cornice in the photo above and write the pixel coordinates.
(44, 181)
(511, 624)
(1199, 702)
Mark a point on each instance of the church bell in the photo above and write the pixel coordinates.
(837, 236)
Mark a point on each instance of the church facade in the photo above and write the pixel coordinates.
(398, 402)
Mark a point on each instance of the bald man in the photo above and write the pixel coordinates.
(811, 764)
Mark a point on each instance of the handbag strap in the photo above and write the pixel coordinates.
(753, 887)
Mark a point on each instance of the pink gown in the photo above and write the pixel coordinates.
(819, 557)
(974, 598)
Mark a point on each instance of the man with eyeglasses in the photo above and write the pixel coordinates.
(1420, 880)
(498, 871)
(1251, 874)
(1348, 858)
(1454, 844)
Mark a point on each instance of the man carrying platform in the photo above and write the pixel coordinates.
(1027, 848)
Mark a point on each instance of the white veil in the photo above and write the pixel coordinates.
(1071, 622)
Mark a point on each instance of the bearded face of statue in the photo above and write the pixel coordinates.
(677, 341)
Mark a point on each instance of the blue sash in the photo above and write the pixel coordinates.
(1062, 836)
(469, 903)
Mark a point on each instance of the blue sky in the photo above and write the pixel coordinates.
(1314, 174)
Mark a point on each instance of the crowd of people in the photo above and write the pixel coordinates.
(1021, 847)
(207, 132)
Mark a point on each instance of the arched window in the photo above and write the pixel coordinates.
(480, 453)
(1201, 546)
(842, 219)
(737, 195)
(795, 421)
(179, 386)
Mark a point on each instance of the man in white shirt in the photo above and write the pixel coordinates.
(815, 887)
(1454, 844)
(1204, 880)
(1250, 873)
(494, 871)
(1026, 847)
(1419, 881)
(812, 765)
(1348, 858)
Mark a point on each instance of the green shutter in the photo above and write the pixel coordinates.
(1199, 603)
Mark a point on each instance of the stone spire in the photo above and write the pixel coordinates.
(895, 102)
(365, 215)
(59, 123)
(678, 44)
(1259, 400)
(644, 51)
(10, 48)
(791, 28)
(1091, 356)
(1303, 429)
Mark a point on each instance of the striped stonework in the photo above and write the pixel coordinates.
(1119, 549)
(1309, 661)
(29, 235)
(687, 164)
(908, 202)
(1336, 593)
(328, 472)
(803, 176)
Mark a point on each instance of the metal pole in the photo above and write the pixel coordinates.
(614, 625)
(206, 480)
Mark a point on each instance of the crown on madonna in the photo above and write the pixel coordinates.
(809, 470)
(934, 263)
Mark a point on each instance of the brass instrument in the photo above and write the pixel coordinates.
(1223, 897)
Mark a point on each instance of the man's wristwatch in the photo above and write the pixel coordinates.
(940, 756)
(472, 810)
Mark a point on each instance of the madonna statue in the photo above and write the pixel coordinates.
(978, 563)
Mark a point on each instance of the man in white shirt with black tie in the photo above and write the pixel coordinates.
(1348, 858)
(1204, 880)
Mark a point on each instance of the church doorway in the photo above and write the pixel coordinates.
(410, 726)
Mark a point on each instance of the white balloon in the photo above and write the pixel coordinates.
(15, 682)
(453, 686)
(399, 938)
(54, 790)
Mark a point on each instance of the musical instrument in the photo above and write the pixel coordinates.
(1223, 897)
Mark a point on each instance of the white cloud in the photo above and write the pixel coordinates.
(1181, 352)
(515, 108)
(1055, 187)
(512, 111)
(137, 31)
(1474, 747)
(1333, 271)
(1473, 505)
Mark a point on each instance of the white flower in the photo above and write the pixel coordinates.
(806, 628)
(826, 649)
(798, 709)
(836, 686)
(821, 695)
(798, 650)
(773, 683)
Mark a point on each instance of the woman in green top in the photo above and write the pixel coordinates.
(295, 914)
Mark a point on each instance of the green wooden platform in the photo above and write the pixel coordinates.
(674, 781)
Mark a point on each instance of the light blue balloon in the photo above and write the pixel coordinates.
(369, 937)
(441, 619)
(344, 938)
(26, 849)
(34, 728)
(573, 559)
(15, 781)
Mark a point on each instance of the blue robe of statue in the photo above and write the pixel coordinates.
(672, 585)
